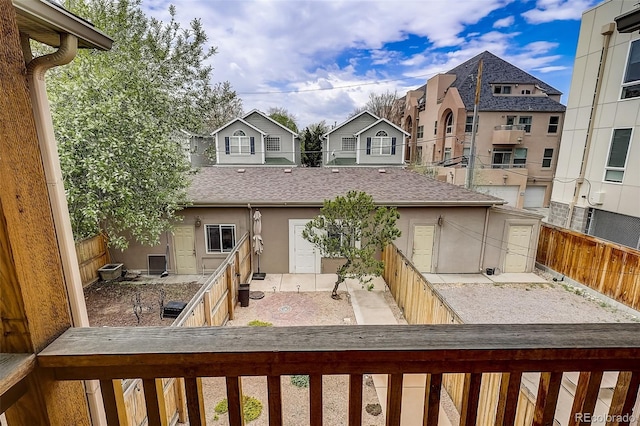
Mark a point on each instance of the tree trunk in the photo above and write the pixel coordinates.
(342, 272)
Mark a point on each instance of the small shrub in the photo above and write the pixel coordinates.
(251, 408)
(258, 323)
(301, 381)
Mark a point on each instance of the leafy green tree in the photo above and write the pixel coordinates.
(114, 116)
(284, 117)
(311, 144)
(354, 228)
(226, 106)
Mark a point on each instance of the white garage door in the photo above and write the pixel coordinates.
(534, 196)
(509, 193)
(304, 258)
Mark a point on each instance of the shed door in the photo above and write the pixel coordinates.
(184, 241)
(423, 237)
(534, 196)
(517, 256)
(304, 258)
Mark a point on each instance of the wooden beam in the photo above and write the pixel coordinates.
(470, 398)
(154, 400)
(433, 390)
(548, 392)
(195, 401)
(508, 398)
(584, 401)
(113, 399)
(355, 399)
(394, 399)
(624, 398)
(234, 400)
(34, 309)
(315, 399)
(275, 400)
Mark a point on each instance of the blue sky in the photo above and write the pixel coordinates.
(320, 59)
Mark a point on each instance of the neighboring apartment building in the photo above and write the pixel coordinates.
(597, 189)
(518, 132)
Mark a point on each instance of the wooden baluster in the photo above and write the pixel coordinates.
(470, 398)
(234, 400)
(275, 400)
(355, 399)
(113, 399)
(195, 401)
(548, 392)
(315, 395)
(624, 397)
(586, 396)
(154, 400)
(433, 389)
(394, 399)
(508, 398)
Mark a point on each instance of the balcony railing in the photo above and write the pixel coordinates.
(509, 134)
(191, 353)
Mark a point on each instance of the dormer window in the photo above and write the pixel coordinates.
(501, 90)
(526, 92)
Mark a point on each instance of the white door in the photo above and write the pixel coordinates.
(517, 257)
(534, 196)
(304, 258)
(509, 193)
(423, 237)
(185, 249)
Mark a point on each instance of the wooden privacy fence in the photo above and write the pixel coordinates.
(421, 303)
(212, 305)
(609, 268)
(92, 255)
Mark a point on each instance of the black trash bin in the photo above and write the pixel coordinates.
(243, 295)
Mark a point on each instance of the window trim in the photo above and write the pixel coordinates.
(220, 226)
(352, 139)
(380, 140)
(557, 125)
(520, 165)
(626, 158)
(525, 125)
(237, 141)
(420, 132)
(267, 140)
(624, 74)
(502, 165)
(550, 158)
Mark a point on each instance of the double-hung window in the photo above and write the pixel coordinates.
(420, 132)
(554, 120)
(618, 151)
(220, 238)
(520, 158)
(547, 157)
(349, 144)
(525, 121)
(468, 125)
(381, 143)
(631, 81)
(240, 143)
(501, 158)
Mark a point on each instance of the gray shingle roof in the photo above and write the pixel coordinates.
(311, 186)
(496, 70)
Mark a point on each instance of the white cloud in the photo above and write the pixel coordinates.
(551, 69)
(557, 10)
(504, 22)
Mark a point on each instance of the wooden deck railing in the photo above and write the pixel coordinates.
(191, 353)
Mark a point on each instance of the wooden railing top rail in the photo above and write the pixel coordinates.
(14, 368)
(207, 284)
(150, 352)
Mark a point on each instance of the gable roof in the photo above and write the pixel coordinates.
(349, 120)
(310, 186)
(233, 121)
(382, 120)
(496, 70)
(270, 119)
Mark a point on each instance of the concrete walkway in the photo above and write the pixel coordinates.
(370, 308)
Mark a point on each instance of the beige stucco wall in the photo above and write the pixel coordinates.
(457, 247)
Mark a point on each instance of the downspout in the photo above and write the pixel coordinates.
(607, 30)
(36, 69)
(484, 238)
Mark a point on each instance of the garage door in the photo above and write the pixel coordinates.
(509, 193)
(534, 196)
(304, 258)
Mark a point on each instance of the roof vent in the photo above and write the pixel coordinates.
(334, 170)
(240, 170)
(287, 170)
(382, 171)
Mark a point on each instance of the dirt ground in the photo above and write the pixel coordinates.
(110, 303)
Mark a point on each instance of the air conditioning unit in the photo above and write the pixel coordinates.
(598, 197)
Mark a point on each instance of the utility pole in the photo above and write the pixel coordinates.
(472, 151)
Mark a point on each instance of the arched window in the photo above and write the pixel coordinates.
(240, 143)
(448, 123)
(381, 143)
